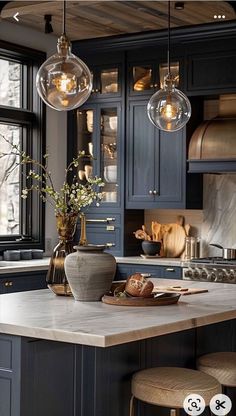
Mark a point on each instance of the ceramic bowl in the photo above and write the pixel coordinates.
(110, 173)
(151, 248)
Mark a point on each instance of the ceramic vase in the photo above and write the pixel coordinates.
(90, 272)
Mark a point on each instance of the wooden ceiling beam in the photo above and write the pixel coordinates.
(28, 8)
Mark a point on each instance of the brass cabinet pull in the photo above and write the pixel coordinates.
(100, 220)
(110, 244)
(169, 269)
(7, 284)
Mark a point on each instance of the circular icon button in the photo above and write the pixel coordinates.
(220, 405)
(194, 404)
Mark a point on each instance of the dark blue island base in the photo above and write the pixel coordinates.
(48, 378)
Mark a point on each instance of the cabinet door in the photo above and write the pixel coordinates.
(85, 140)
(172, 169)
(108, 155)
(142, 155)
(106, 81)
(212, 72)
(141, 78)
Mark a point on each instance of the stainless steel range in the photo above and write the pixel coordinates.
(211, 269)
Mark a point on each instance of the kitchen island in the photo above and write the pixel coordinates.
(65, 358)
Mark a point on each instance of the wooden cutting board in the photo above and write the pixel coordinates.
(180, 290)
(174, 238)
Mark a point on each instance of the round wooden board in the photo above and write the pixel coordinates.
(167, 299)
(174, 241)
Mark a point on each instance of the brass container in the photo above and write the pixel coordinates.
(56, 278)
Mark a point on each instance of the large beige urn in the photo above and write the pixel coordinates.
(90, 272)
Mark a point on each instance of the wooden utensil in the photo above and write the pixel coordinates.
(178, 289)
(174, 239)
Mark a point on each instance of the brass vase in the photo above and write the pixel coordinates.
(56, 278)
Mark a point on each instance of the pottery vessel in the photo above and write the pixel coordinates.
(151, 248)
(90, 272)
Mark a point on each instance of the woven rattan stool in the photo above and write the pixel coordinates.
(168, 387)
(221, 365)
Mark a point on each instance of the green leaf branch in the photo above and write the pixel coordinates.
(71, 197)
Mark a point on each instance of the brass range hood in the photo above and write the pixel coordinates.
(212, 148)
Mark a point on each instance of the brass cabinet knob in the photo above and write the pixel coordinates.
(155, 85)
(151, 85)
(150, 192)
(97, 90)
(93, 90)
(10, 283)
(6, 284)
(155, 192)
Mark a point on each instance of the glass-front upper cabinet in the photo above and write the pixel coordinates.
(85, 140)
(148, 77)
(106, 81)
(108, 152)
(98, 129)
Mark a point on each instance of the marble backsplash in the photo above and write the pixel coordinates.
(216, 222)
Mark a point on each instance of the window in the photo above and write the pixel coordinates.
(21, 124)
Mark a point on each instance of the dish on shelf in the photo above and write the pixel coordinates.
(89, 114)
(110, 173)
(113, 87)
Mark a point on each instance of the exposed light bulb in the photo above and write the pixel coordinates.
(64, 82)
(169, 109)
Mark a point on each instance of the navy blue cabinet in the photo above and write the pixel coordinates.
(19, 282)
(123, 270)
(156, 163)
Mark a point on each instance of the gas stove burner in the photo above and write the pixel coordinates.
(211, 269)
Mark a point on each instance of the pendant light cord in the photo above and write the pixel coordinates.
(64, 18)
(168, 49)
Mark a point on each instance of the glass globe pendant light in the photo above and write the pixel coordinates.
(64, 81)
(169, 109)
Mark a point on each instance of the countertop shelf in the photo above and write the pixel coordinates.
(41, 314)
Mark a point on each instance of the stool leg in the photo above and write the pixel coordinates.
(175, 412)
(131, 406)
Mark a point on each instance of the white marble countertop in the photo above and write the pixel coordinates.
(34, 265)
(23, 265)
(41, 314)
(158, 261)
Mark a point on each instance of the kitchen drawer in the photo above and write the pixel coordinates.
(22, 282)
(155, 271)
(101, 219)
(170, 272)
(100, 235)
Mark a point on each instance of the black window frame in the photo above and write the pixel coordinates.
(32, 117)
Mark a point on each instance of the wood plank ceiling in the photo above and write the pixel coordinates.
(97, 18)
